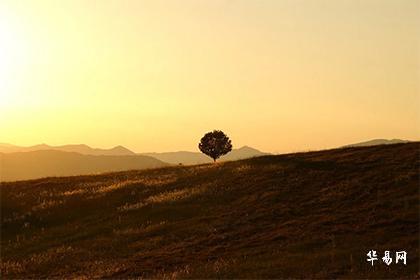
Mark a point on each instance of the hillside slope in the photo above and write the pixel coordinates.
(38, 164)
(307, 215)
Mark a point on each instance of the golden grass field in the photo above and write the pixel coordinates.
(304, 215)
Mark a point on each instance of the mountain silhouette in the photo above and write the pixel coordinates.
(47, 163)
(375, 142)
(184, 157)
(81, 149)
(22, 163)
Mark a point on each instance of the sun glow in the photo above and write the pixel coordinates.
(13, 59)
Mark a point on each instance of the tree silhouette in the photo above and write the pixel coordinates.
(215, 144)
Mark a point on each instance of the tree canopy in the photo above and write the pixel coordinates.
(215, 144)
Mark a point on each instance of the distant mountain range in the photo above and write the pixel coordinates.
(182, 157)
(375, 142)
(46, 163)
(22, 163)
(198, 158)
(81, 149)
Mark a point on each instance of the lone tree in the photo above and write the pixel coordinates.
(215, 144)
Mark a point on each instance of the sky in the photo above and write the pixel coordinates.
(277, 75)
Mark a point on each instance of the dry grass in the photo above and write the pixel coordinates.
(306, 215)
(165, 196)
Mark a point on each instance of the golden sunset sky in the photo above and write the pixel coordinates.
(156, 75)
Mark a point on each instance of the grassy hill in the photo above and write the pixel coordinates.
(312, 215)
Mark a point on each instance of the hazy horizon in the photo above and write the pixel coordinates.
(154, 76)
(115, 146)
(197, 150)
